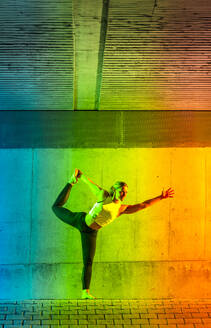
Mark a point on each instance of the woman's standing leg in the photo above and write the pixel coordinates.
(88, 240)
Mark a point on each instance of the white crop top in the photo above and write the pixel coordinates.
(104, 214)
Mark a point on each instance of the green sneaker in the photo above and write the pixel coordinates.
(87, 295)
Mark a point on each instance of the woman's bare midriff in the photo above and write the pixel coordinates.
(95, 226)
(91, 224)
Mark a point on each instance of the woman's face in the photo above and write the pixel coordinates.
(121, 193)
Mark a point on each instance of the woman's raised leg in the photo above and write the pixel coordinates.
(62, 213)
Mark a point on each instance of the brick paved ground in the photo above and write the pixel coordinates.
(173, 313)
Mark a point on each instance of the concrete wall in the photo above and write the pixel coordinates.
(162, 251)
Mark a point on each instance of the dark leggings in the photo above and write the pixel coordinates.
(88, 235)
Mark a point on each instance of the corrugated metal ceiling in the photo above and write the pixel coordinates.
(157, 56)
(135, 55)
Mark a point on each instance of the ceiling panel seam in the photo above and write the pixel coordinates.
(103, 33)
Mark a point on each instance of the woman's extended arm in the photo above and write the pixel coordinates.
(94, 187)
(129, 209)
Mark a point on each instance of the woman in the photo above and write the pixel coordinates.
(107, 208)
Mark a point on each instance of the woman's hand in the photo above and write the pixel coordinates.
(167, 194)
(79, 174)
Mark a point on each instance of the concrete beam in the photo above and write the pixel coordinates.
(104, 129)
(87, 17)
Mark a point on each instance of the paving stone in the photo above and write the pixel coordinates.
(149, 315)
(206, 320)
(140, 321)
(195, 320)
(134, 326)
(151, 326)
(111, 313)
(183, 315)
(122, 322)
(6, 322)
(131, 316)
(96, 326)
(176, 321)
(158, 321)
(96, 316)
(39, 326)
(166, 315)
